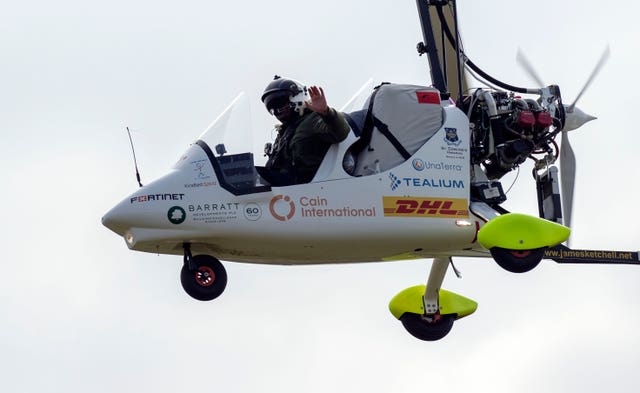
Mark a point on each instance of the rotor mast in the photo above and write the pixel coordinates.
(428, 46)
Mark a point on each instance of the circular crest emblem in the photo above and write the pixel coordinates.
(176, 215)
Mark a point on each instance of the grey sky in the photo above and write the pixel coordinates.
(80, 312)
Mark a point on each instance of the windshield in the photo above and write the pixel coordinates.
(228, 142)
(357, 102)
(231, 129)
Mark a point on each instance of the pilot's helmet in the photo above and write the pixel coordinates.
(282, 97)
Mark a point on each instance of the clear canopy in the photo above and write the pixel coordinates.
(238, 147)
(234, 128)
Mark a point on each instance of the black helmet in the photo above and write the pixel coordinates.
(281, 91)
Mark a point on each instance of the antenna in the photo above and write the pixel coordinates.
(135, 162)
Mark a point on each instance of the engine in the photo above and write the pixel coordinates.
(507, 129)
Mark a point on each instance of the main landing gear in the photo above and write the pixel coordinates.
(203, 277)
(427, 328)
(431, 325)
(428, 312)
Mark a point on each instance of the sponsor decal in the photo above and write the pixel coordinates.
(319, 207)
(598, 256)
(420, 165)
(283, 208)
(201, 174)
(213, 207)
(252, 211)
(451, 136)
(199, 168)
(201, 184)
(425, 207)
(156, 197)
(216, 212)
(176, 215)
(423, 182)
(395, 181)
(452, 148)
(282, 211)
(459, 153)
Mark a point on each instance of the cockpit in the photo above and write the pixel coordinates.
(387, 127)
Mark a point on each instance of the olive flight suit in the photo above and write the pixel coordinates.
(301, 145)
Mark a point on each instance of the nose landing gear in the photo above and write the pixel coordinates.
(203, 277)
(517, 261)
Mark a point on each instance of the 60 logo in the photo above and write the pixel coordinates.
(252, 211)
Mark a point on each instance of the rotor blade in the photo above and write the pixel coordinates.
(596, 70)
(526, 64)
(567, 177)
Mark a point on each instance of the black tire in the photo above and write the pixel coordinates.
(207, 281)
(427, 331)
(517, 261)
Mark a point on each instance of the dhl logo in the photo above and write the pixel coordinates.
(425, 207)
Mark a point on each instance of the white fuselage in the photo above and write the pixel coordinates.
(417, 209)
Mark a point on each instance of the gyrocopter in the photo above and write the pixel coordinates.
(417, 177)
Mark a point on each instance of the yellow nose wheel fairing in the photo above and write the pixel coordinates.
(517, 242)
(515, 231)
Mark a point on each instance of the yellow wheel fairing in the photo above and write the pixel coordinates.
(410, 300)
(515, 231)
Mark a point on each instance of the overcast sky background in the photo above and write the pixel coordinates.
(80, 312)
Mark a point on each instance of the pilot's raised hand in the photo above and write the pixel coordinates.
(318, 102)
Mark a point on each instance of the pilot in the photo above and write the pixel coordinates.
(308, 128)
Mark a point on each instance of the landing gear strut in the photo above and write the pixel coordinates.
(203, 277)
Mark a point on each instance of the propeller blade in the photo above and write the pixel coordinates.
(567, 177)
(526, 64)
(603, 59)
